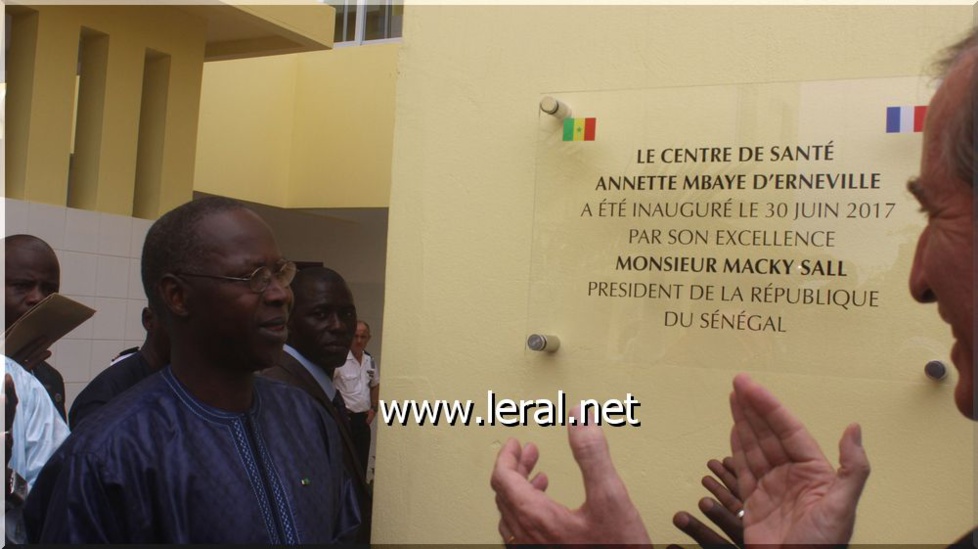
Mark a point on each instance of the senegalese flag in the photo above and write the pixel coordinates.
(905, 119)
(579, 129)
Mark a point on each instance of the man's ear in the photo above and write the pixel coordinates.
(174, 293)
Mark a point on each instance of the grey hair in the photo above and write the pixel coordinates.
(959, 133)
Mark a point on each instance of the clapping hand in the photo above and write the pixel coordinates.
(792, 494)
(722, 511)
(529, 516)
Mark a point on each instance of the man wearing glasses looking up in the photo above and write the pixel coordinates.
(204, 452)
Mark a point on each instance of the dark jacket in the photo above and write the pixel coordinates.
(292, 372)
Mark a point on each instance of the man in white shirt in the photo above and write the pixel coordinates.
(37, 430)
(33, 431)
(358, 382)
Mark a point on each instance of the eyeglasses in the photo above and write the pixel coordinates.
(259, 279)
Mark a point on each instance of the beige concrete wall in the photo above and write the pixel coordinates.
(310, 130)
(461, 224)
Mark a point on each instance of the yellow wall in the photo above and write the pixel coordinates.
(309, 130)
(344, 126)
(461, 223)
(40, 101)
(245, 131)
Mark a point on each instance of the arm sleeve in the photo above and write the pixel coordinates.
(373, 373)
(73, 503)
(38, 429)
(347, 520)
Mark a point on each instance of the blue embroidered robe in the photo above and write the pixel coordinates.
(156, 465)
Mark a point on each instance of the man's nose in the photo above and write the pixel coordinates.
(919, 286)
(334, 322)
(35, 295)
(277, 292)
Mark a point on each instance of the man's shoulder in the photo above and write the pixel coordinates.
(48, 374)
(286, 369)
(24, 382)
(121, 375)
(281, 390)
(281, 397)
(134, 409)
(107, 385)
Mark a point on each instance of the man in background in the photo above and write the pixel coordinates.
(33, 430)
(32, 274)
(358, 382)
(125, 372)
(321, 329)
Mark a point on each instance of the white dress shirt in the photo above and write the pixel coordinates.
(38, 429)
(354, 379)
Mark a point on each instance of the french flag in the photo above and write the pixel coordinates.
(905, 119)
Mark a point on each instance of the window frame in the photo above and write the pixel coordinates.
(360, 24)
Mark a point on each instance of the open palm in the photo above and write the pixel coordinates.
(793, 495)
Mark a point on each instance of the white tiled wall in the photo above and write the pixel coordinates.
(99, 255)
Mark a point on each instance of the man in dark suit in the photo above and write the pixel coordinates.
(321, 329)
(135, 366)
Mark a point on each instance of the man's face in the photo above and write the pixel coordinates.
(943, 265)
(32, 274)
(323, 322)
(234, 326)
(361, 338)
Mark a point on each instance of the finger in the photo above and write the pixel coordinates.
(745, 481)
(10, 401)
(509, 523)
(723, 495)
(748, 457)
(528, 459)
(768, 443)
(853, 466)
(701, 533)
(540, 482)
(507, 460)
(732, 526)
(521, 504)
(506, 480)
(10, 390)
(733, 487)
(590, 449)
(776, 425)
(728, 464)
(505, 533)
(725, 472)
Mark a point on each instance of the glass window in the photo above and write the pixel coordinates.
(346, 20)
(359, 21)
